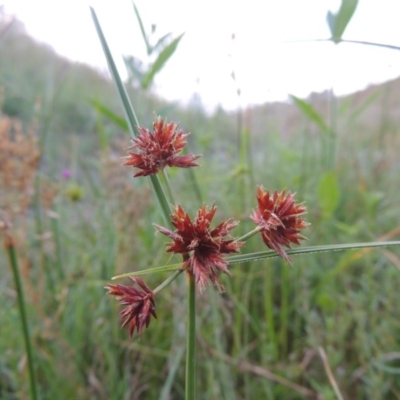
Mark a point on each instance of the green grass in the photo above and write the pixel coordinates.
(260, 339)
(272, 316)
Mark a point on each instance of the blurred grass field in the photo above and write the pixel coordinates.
(262, 339)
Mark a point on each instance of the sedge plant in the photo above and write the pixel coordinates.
(206, 250)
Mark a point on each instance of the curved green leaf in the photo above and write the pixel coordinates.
(111, 115)
(338, 22)
(161, 41)
(309, 111)
(162, 58)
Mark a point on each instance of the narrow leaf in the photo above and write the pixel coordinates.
(144, 35)
(161, 41)
(165, 268)
(309, 111)
(162, 58)
(111, 115)
(126, 103)
(338, 22)
(242, 258)
(131, 118)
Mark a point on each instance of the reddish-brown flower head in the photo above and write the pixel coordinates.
(139, 304)
(201, 246)
(159, 149)
(279, 219)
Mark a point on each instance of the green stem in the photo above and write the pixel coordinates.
(284, 308)
(21, 305)
(269, 310)
(167, 281)
(248, 235)
(195, 185)
(387, 46)
(191, 340)
(168, 187)
(130, 115)
(59, 262)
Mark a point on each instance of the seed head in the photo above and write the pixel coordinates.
(140, 306)
(279, 219)
(201, 246)
(159, 149)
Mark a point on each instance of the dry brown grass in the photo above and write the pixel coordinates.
(19, 162)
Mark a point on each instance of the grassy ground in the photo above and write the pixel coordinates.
(267, 336)
(326, 326)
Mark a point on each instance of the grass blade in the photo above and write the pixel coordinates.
(131, 118)
(309, 111)
(338, 22)
(162, 58)
(242, 258)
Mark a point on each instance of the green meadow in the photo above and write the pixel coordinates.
(327, 327)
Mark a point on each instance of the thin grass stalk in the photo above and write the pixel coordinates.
(269, 311)
(39, 228)
(237, 318)
(59, 264)
(246, 296)
(224, 377)
(165, 209)
(332, 138)
(195, 185)
(191, 339)
(131, 118)
(284, 311)
(363, 42)
(45, 124)
(167, 185)
(10, 248)
(329, 373)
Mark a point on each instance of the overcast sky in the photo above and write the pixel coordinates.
(266, 66)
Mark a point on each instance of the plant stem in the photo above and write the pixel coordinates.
(191, 339)
(10, 247)
(168, 187)
(56, 231)
(130, 115)
(167, 281)
(269, 311)
(248, 235)
(387, 46)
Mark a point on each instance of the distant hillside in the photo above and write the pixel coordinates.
(33, 78)
(375, 108)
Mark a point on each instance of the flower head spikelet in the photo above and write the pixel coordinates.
(279, 219)
(158, 149)
(140, 306)
(201, 246)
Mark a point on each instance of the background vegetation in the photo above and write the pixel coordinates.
(79, 218)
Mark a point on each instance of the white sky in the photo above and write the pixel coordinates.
(266, 68)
